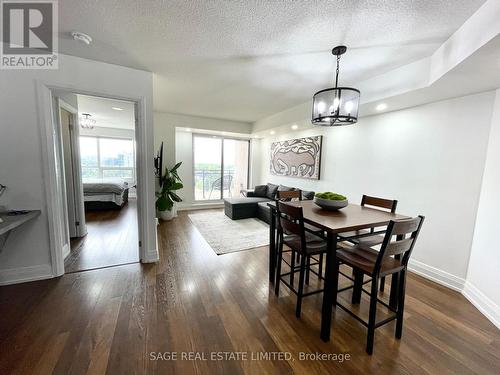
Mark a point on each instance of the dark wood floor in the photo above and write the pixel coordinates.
(110, 320)
(111, 240)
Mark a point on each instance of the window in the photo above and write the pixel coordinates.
(220, 167)
(107, 158)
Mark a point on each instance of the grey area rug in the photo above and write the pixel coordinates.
(228, 236)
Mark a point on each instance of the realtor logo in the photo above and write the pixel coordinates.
(29, 35)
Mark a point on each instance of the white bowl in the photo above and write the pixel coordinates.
(328, 204)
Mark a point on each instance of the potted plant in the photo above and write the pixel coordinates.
(166, 198)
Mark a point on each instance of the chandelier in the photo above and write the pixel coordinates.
(86, 122)
(338, 105)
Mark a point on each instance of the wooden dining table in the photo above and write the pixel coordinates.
(350, 218)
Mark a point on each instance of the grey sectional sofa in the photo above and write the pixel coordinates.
(254, 202)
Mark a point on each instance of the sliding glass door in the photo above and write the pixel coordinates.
(220, 167)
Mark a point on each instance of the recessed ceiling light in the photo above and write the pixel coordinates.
(381, 107)
(81, 37)
(295, 126)
(272, 132)
(117, 108)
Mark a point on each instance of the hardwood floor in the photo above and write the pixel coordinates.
(117, 320)
(111, 240)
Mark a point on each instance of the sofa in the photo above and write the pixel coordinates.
(253, 203)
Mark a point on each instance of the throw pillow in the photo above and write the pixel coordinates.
(271, 191)
(307, 195)
(260, 191)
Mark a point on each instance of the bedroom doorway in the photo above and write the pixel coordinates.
(98, 142)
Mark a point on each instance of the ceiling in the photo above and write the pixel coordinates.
(101, 110)
(245, 60)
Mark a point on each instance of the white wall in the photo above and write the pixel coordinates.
(483, 277)
(27, 252)
(178, 145)
(430, 158)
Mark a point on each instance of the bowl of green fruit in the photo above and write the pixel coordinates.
(330, 201)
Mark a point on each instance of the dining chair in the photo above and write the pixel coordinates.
(365, 236)
(292, 233)
(392, 258)
(296, 194)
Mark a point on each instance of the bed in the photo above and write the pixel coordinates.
(105, 194)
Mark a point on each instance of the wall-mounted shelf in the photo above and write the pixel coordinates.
(10, 222)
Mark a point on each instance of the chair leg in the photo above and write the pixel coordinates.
(320, 266)
(335, 285)
(401, 304)
(292, 268)
(300, 292)
(382, 284)
(358, 285)
(308, 268)
(372, 315)
(278, 269)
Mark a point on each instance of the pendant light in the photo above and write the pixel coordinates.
(86, 122)
(338, 105)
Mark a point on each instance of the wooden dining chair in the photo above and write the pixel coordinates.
(291, 195)
(366, 237)
(291, 232)
(392, 258)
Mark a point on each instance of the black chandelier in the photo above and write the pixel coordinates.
(338, 105)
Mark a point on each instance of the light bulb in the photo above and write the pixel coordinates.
(321, 107)
(348, 106)
(336, 104)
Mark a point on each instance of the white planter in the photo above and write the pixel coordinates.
(168, 215)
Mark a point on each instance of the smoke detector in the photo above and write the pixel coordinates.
(81, 37)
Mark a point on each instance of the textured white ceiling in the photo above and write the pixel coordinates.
(101, 110)
(244, 60)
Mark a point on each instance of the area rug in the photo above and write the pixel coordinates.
(228, 236)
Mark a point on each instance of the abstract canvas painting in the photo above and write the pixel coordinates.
(297, 157)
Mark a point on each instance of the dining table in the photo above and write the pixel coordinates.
(353, 217)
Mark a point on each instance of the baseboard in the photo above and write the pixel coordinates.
(484, 304)
(25, 274)
(435, 274)
(200, 206)
(151, 256)
(66, 251)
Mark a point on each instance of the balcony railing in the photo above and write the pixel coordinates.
(208, 184)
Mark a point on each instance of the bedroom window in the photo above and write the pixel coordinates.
(103, 158)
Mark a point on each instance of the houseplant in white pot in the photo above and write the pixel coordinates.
(167, 197)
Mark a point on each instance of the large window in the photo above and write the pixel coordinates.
(220, 167)
(107, 158)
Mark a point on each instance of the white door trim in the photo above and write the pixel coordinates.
(148, 252)
(81, 229)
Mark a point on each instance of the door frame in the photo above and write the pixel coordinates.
(74, 133)
(148, 242)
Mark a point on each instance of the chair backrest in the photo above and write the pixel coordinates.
(406, 232)
(290, 220)
(289, 195)
(226, 181)
(388, 204)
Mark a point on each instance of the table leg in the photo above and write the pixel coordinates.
(326, 310)
(272, 247)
